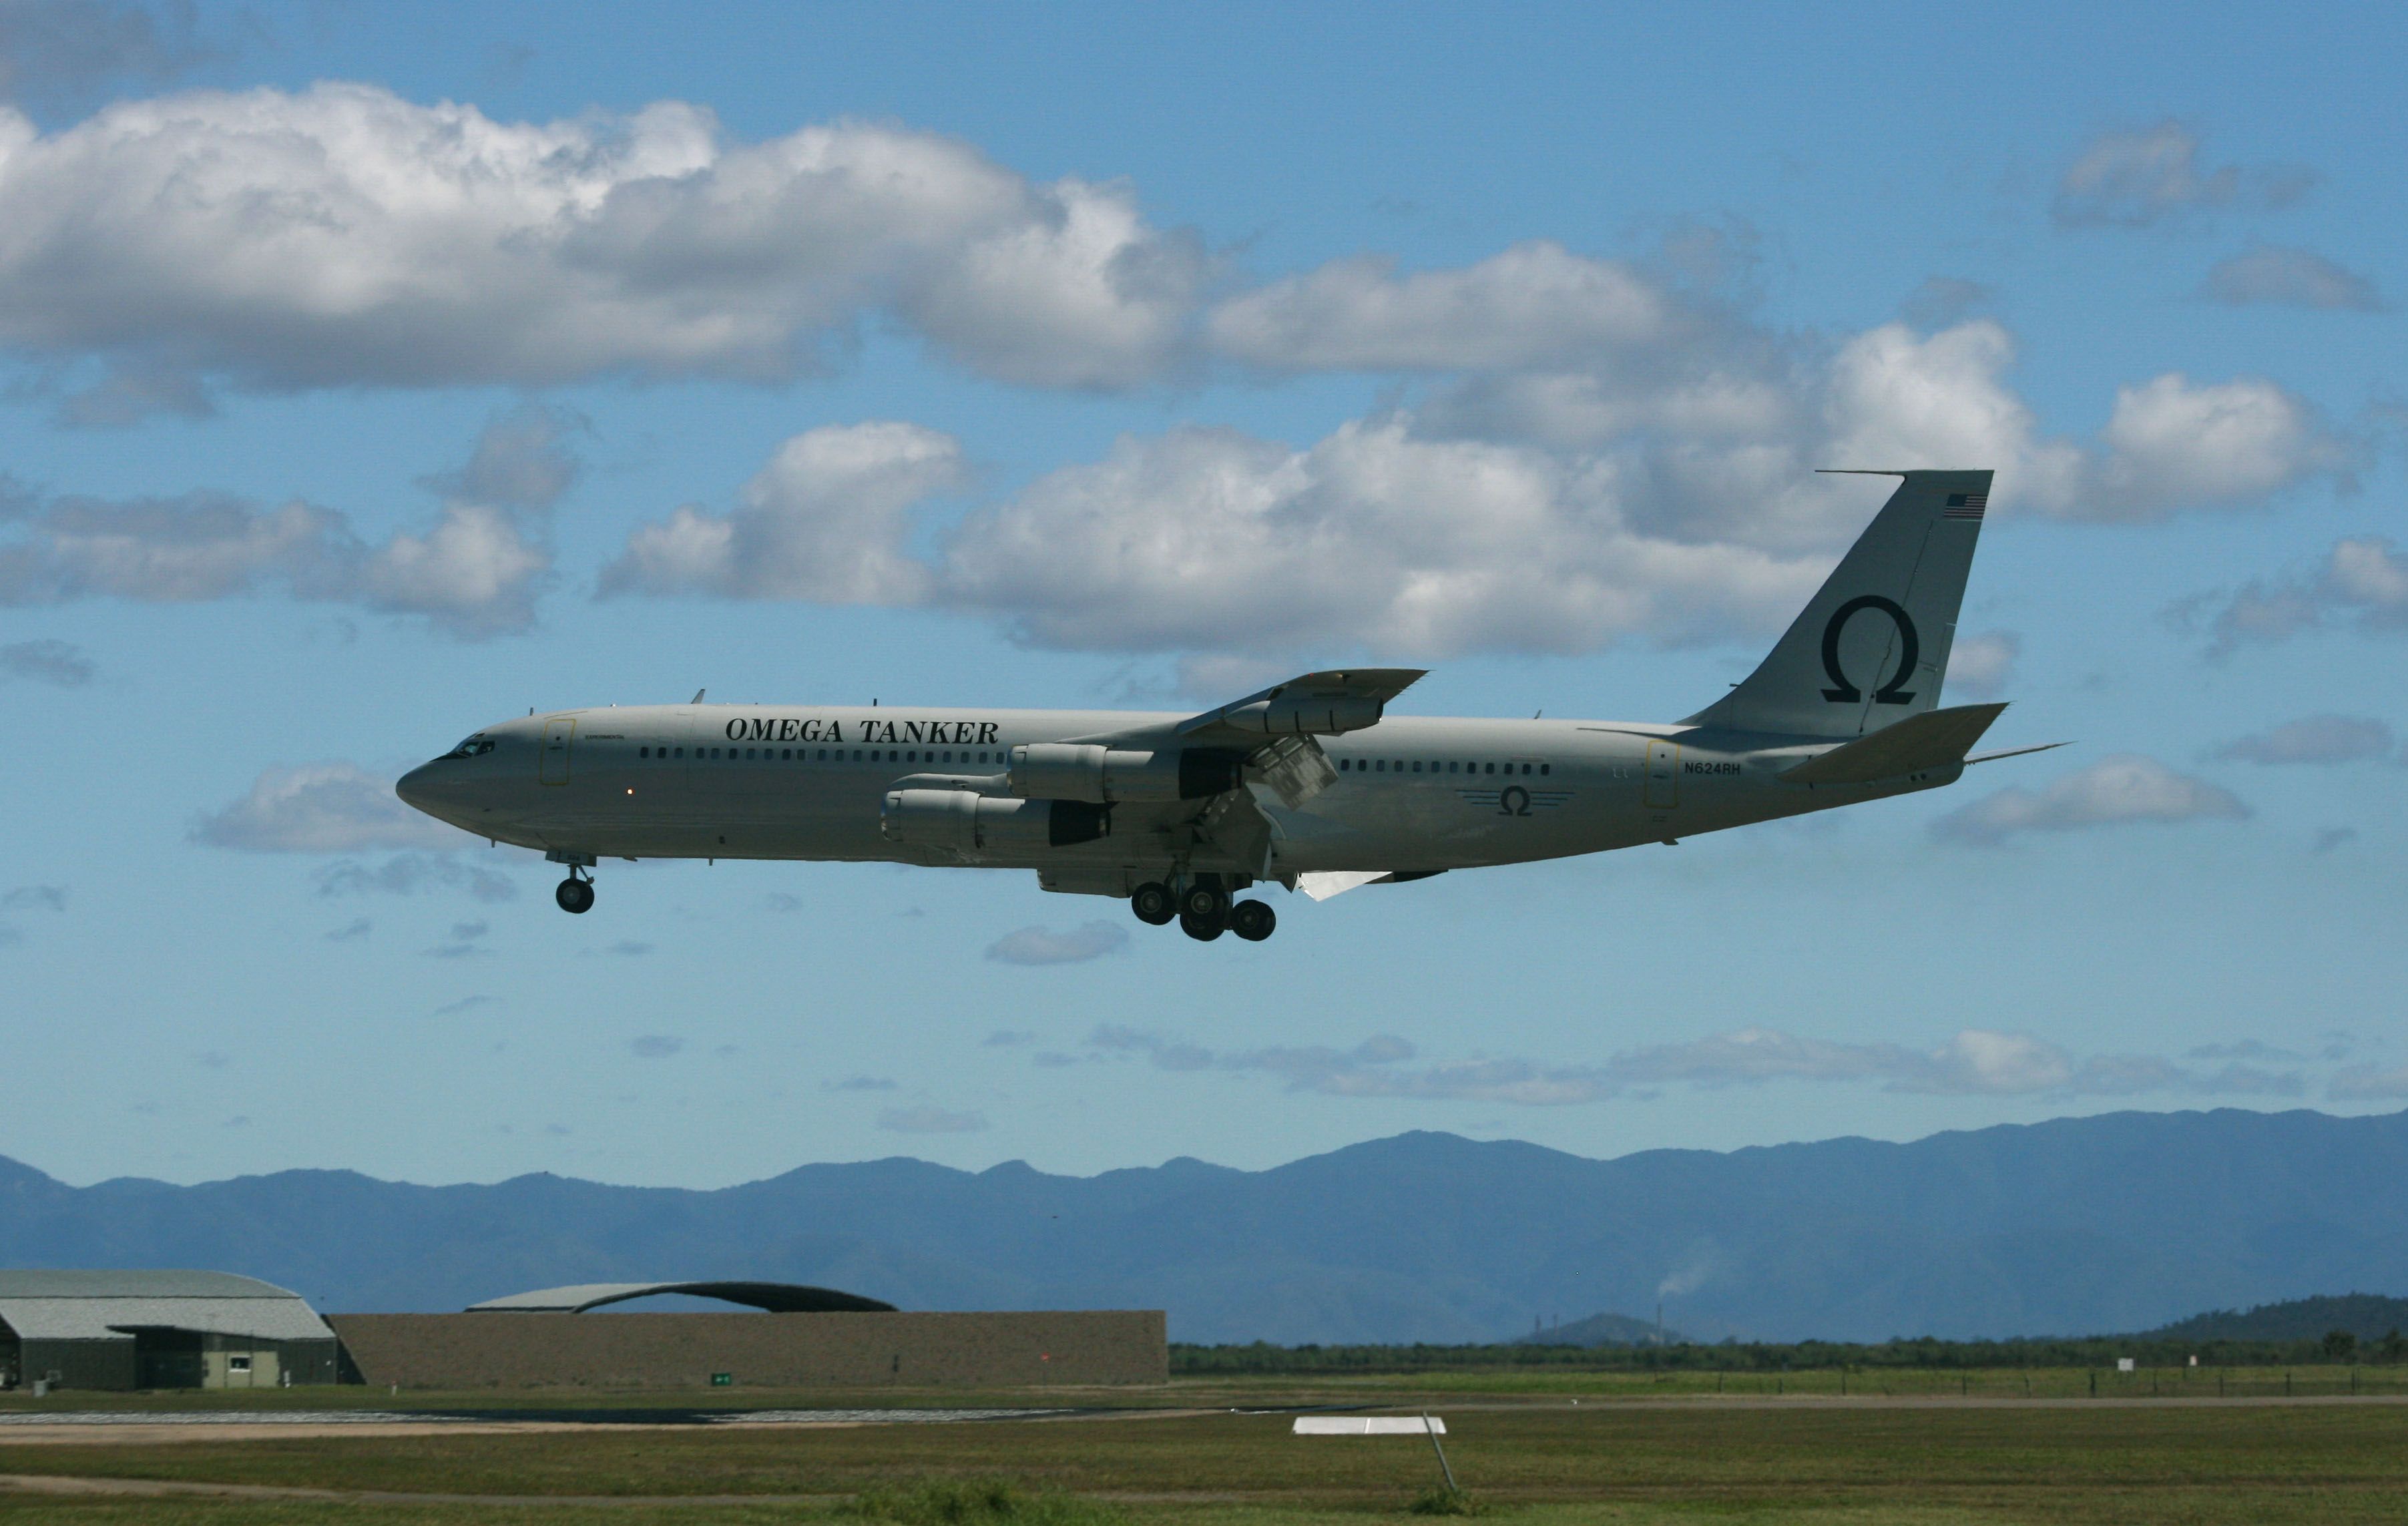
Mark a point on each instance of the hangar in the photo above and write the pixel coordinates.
(159, 1330)
(768, 1297)
(795, 1337)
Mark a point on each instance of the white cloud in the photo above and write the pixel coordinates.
(2290, 277)
(2314, 740)
(48, 660)
(926, 1120)
(2174, 445)
(1042, 946)
(656, 1046)
(475, 574)
(2138, 178)
(407, 874)
(342, 236)
(1534, 304)
(131, 388)
(1687, 520)
(2368, 1083)
(1073, 291)
(826, 519)
(26, 897)
(165, 549)
(1983, 666)
(1974, 1062)
(2364, 579)
(2112, 791)
(1373, 538)
(326, 808)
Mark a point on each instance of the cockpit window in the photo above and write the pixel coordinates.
(475, 746)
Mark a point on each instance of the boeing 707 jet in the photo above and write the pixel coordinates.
(1310, 784)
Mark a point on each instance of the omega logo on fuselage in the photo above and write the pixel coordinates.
(798, 728)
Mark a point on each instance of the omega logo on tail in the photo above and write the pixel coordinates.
(1844, 693)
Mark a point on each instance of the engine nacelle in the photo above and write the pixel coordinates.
(972, 826)
(1307, 715)
(1102, 776)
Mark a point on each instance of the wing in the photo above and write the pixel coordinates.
(1315, 704)
(1276, 728)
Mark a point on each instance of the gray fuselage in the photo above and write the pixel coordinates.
(1411, 795)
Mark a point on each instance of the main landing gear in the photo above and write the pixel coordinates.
(1203, 909)
(575, 893)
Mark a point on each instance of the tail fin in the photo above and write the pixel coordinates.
(1871, 647)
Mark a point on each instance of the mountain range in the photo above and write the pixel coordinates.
(2121, 1221)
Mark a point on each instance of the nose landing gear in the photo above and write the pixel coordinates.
(575, 893)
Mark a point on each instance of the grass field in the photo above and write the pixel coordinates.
(1531, 1456)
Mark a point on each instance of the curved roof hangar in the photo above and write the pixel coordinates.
(773, 1297)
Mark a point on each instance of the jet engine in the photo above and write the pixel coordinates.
(975, 826)
(1101, 775)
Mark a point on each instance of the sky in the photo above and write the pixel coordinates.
(370, 374)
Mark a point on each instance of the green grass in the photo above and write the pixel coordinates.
(1221, 1390)
(1535, 1462)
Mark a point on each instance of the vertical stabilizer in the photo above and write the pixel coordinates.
(1871, 647)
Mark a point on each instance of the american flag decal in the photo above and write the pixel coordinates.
(1965, 505)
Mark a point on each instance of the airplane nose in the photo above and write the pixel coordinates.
(415, 787)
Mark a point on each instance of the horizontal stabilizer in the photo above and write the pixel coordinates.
(1934, 739)
(2014, 751)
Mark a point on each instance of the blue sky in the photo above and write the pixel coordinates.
(368, 374)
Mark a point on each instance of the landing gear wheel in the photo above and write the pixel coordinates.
(1152, 903)
(1253, 920)
(1205, 901)
(1202, 929)
(576, 896)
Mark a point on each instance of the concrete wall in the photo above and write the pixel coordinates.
(755, 1350)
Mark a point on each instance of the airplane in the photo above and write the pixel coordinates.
(1309, 784)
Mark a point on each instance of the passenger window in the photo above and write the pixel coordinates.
(1545, 767)
(1526, 768)
(680, 752)
(1381, 765)
(643, 753)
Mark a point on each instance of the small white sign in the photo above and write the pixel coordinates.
(1368, 1425)
(2124, 1364)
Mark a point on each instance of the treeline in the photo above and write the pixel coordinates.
(2338, 1348)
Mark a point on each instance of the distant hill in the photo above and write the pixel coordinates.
(2123, 1221)
(2366, 1316)
(1603, 1330)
